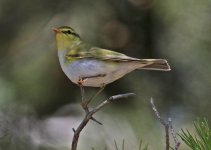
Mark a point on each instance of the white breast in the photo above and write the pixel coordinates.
(93, 67)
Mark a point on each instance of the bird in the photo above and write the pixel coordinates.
(91, 66)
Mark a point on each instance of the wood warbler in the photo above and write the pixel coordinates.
(92, 66)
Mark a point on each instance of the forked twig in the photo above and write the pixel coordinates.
(89, 115)
(167, 125)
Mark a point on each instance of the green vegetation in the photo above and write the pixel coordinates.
(201, 140)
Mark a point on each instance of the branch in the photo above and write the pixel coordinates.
(89, 115)
(176, 141)
(167, 125)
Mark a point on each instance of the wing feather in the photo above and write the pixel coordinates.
(87, 51)
(83, 51)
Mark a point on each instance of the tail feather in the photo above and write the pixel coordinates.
(156, 64)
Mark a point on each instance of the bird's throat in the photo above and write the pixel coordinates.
(64, 42)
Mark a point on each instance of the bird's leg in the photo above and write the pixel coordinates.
(98, 92)
(85, 102)
(80, 83)
(83, 97)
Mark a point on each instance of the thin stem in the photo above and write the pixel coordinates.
(167, 137)
(176, 141)
(89, 115)
(167, 125)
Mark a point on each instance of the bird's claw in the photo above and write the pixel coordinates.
(81, 81)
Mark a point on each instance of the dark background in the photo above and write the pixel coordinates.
(39, 106)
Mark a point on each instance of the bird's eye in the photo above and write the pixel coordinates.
(69, 32)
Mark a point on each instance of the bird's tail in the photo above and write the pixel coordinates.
(155, 64)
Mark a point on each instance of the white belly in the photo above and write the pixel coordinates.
(91, 68)
(96, 73)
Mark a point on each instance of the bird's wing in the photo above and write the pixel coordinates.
(87, 51)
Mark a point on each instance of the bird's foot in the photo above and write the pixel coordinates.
(81, 81)
(85, 102)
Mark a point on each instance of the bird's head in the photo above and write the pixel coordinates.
(66, 37)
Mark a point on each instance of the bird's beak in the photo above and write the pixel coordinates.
(56, 30)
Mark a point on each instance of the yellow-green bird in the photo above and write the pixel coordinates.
(92, 66)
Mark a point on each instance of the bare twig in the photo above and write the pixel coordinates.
(176, 141)
(84, 104)
(163, 122)
(167, 125)
(89, 115)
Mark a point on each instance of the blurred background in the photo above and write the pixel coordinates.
(39, 106)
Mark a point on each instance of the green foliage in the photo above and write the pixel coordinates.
(202, 139)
